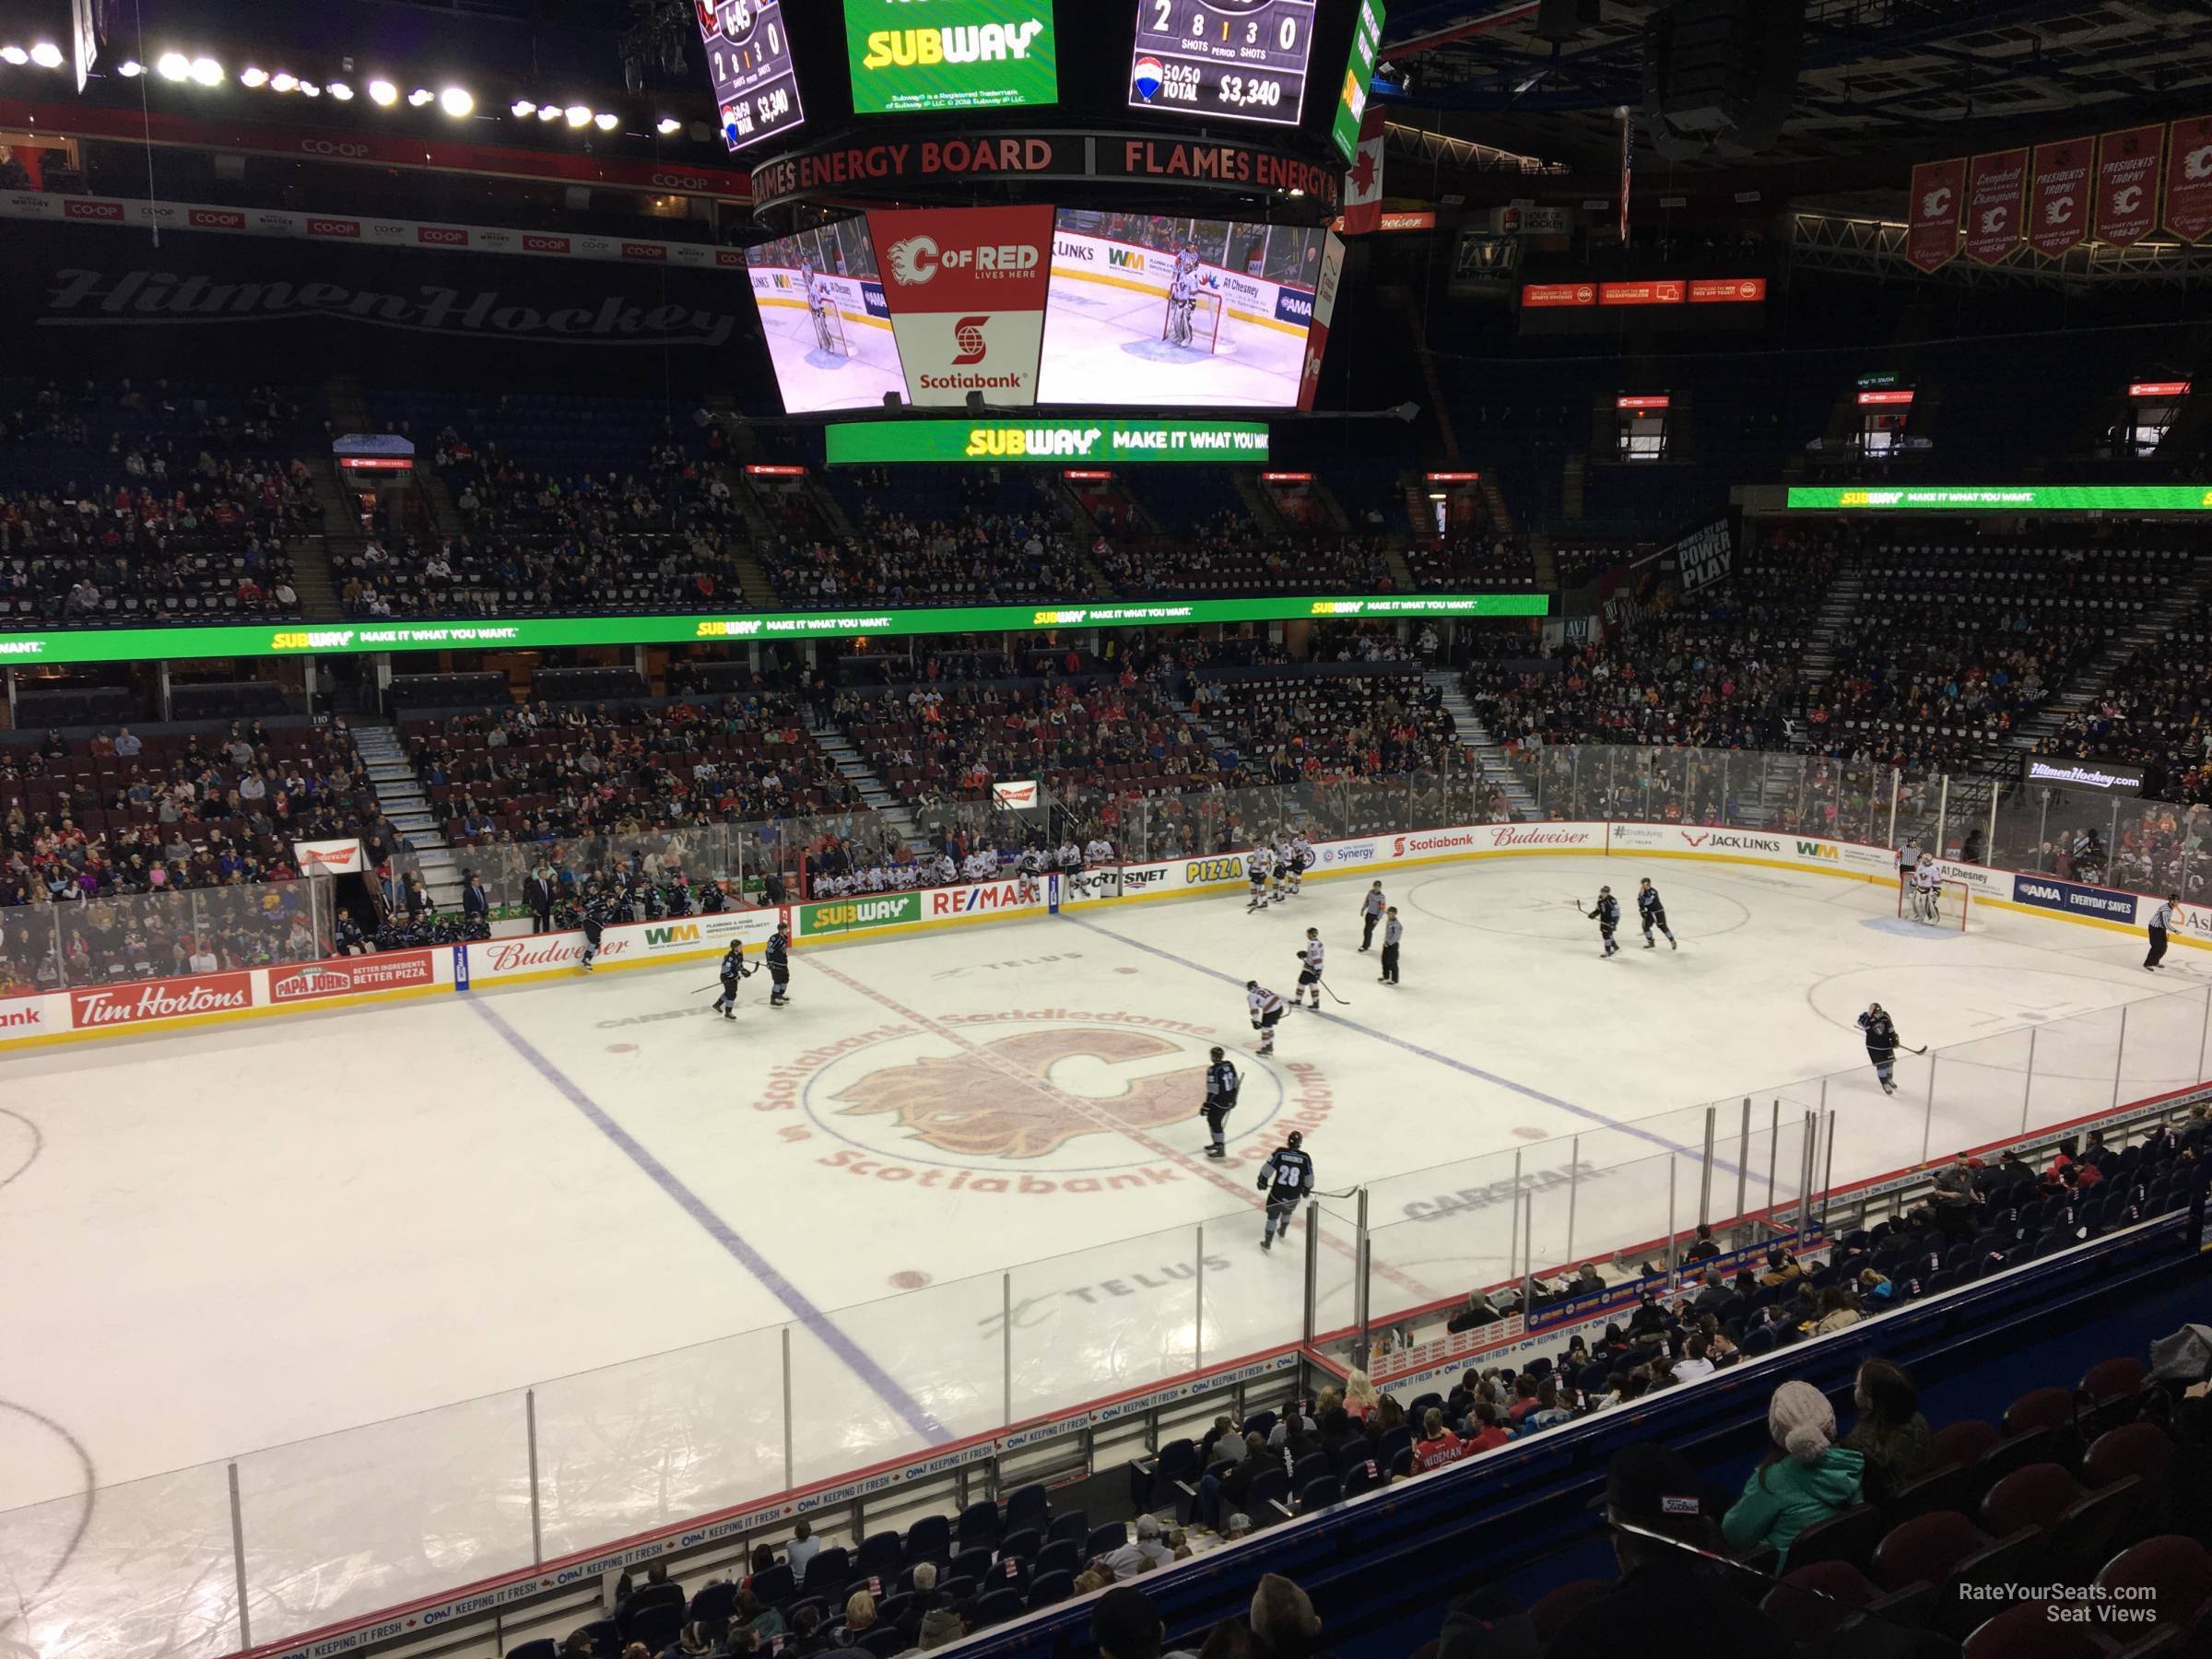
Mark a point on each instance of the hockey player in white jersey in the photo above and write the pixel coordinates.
(1257, 863)
(1309, 959)
(1928, 890)
(1183, 301)
(1285, 871)
(1301, 860)
(1267, 1014)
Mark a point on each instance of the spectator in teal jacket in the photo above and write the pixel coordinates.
(1804, 1478)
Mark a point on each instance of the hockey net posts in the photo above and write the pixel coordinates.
(1948, 907)
(1205, 322)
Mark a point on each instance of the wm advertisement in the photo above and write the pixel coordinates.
(914, 56)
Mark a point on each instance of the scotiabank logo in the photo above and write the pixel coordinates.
(22, 1017)
(212, 218)
(111, 211)
(159, 999)
(544, 244)
(644, 251)
(323, 227)
(441, 236)
(968, 334)
(1406, 846)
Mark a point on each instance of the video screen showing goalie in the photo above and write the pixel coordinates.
(1149, 310)
(822, 312)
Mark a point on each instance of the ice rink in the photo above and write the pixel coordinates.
(961, 1174)
(1103, 345)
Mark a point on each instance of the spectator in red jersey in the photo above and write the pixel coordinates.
(1438, 1445)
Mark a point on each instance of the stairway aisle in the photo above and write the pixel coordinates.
(400, 794)
(873, 792)
(1489, 755)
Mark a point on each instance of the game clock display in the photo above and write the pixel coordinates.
(749, 58)
(1229, 60)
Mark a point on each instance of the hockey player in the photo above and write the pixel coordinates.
(1927, 888)
(1221, 1086)
(732, 970)
(1653, 913)
(595, 909)
(1371, 912)
(1257, 863)
(1182, 301)
(1285, 869)
(1301, 860)
(1267, 1014)
(779, 968)
(1309, 969)
(1392, 930)
(1607, 917)
(1882, 1042)
(1288, 1180)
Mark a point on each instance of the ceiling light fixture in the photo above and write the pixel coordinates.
(548, 112)
(420, 96)
(173, 66)
(284, 81)
(384, 92)
(522, 108)
(608, 121)
(130, 68)
(252, 76)
(208, 72)
(457, 101)
(578, 115)
(14, 54)
(341, 91)
(667, 124)
(46, 55)
(311, 89)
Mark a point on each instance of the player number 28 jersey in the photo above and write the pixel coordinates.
(1288, 1172)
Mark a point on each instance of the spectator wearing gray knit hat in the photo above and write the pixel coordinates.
(1803, 1477)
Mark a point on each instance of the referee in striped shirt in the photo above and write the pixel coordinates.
(2160, 919)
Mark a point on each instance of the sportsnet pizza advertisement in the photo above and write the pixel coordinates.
(912, 58)
(825, 319)
(1178, 312)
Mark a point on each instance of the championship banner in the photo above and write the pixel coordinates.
(1324, 309)
(1931, 228)
(2188, 180)
(966, 289)
(2058, 197)
(1994, 185)
(2127, 185)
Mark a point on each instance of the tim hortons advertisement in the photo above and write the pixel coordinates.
(352, 976)
(111, 1006)
(966, 289)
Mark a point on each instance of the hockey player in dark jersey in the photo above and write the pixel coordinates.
(1288, 1180)
(1882, 1044)
(1653, 913)
(732, 970)
(1221, 1086)
(596, 908)
(779, 968)
(1607, 917)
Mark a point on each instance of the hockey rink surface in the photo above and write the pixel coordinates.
(248, 1241)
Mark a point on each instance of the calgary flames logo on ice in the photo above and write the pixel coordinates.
(1000, 1098)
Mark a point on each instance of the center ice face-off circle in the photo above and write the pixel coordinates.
(1041, 1097)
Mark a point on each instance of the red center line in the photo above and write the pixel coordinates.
(1090, 1109)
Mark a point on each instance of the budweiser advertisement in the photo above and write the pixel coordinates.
(108, 1007)
(1932, 224)
(1996, 184)
(352, 976)
(2189, 179)
(2127, 185)
(2058, 197)
(966, 289)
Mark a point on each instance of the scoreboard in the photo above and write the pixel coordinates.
(749, 60)
(1228, 60)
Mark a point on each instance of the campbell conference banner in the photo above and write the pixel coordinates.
(966, 289)
(67, 290)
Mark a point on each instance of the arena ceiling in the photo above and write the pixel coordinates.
(1882, 82)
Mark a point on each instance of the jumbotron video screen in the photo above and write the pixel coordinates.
(1146, 311)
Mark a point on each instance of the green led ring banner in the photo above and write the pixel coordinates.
(2002, 498)
(183, 642)
(1096, 441)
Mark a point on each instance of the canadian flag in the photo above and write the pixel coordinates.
(1363, 183)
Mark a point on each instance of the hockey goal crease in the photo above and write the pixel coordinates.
(1947, 906)
(1205, 326)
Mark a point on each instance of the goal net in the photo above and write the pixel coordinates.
(1947, 907)
(1199, 328)
(829, 327)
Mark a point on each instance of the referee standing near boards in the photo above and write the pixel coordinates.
(1370, 912)
(1392, 930)
(2160, 919)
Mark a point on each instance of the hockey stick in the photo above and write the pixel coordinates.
(1332, 990)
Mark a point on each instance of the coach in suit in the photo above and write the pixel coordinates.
(537, 893)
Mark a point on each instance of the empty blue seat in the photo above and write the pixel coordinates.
(1027, 1506)
(881, 1556)
(929, 1539)
(1318, 1494)
(1049, 1587)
